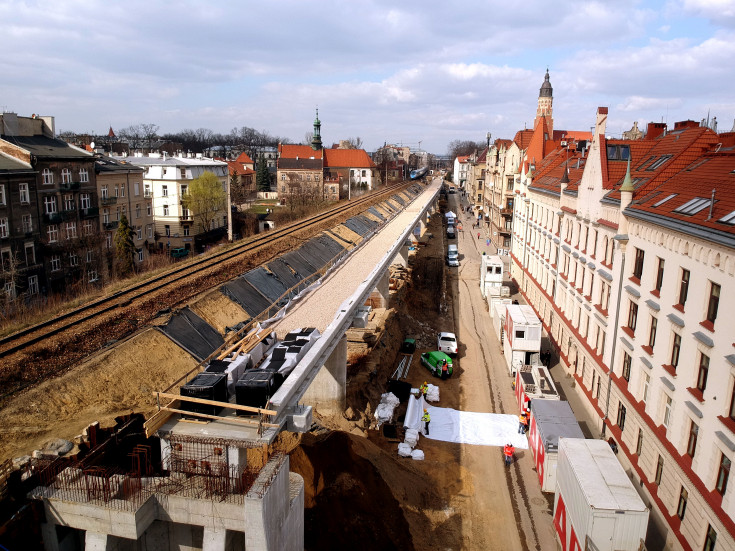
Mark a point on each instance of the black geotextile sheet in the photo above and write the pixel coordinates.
(284, 272)
(300, 264)
(192, 333)
(358, 225)
(247, 296)
(373, 224)
(392, 204)
(266, 283)
(375, 212)
(400, 199)
(320, 250)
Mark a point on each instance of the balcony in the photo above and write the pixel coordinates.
(69, 186)
(111, 225)
(69, 214)
(185, 218)
(107, 201)
(90, 212)
(53, 217)
(506, 212)
(147, 194)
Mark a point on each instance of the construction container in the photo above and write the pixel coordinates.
(491, 273)
(208, 386)
(256, 387)
(499, 323)
(550, 420)
(596, 505)
(493, 301)
(522, 336)
(533, 382)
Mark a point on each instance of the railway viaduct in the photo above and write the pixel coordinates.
(271, 514)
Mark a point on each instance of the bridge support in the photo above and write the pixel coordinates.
(328, 392)
(402, 256)
(382, 290)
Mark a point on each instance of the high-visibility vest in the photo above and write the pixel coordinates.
(426, 418)
(508, 451)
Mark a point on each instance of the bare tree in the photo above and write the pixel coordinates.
(308, 137)
(354, 143)
(464, 147)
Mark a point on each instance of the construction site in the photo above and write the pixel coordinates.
(193, 476)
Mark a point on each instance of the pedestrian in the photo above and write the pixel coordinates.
(522, 423)
(478, 235)
(426, 418)
(508, 453)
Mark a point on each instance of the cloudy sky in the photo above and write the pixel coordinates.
(398, 72)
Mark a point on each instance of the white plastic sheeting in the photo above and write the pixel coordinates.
(417, 455)
(384, 411)
(465, 427)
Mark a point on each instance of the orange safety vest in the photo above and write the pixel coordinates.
(508, 451)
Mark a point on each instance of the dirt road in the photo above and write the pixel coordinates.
(507, 510)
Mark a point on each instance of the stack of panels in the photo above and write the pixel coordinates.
(208, 386)
(256, 387)
(400, 199)
(192, 333)
(357, 226)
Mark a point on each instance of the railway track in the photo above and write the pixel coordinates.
(66, 321)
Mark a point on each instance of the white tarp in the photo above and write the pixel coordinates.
(450, 214)
(466, 427)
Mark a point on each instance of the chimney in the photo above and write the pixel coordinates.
(655, 129)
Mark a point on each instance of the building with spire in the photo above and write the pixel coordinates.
(316, 140)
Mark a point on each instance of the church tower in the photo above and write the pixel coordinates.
(544, 109)
(316, 140)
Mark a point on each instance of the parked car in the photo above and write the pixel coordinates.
(179, 252)
(452, 259)
(438, 363)
(451, 233)
(447, 343)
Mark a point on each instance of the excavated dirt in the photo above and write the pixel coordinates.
(359, 493)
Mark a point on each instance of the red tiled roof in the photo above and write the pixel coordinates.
(236, 167)
(463, 158)
(523, 138)
(714, 170)
(482, 158)
(347, 158)
(244, 158)
(288, 151)
(503, 143)
(549, 172)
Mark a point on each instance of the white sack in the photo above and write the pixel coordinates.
(411, 437)
(383, 413)
(389, 398)
(417, 455)
(432, 393)
(404, 450)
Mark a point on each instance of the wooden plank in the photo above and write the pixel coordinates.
(217, 418)
(215, 403)
(158, 419)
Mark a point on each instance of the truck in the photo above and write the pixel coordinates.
(596, 506)
(550, 420)
(522, 343)
(533, 382)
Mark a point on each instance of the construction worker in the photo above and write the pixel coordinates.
(508, 453)
(445, 369)
(426, 418)
(522, 423)
(423, 389)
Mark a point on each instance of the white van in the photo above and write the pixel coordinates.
(451, 232)
(452, 256)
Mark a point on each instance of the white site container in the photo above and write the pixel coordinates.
(494, 301)
(550, 420)
(533, 382)
(499, 322)
(595, 501)
(522, 336)
(491, 274)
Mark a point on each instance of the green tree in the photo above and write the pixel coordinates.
(205, 198)
(262, 178)
(124, 247)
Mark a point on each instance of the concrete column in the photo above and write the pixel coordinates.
(328, 392)
(383, 289)
(402, 256)
(214, 540)
(50, 539)
(98, 542)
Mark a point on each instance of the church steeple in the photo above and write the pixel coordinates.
(316, 140)
(545, 103)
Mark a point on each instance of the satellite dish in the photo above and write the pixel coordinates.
(91, 145)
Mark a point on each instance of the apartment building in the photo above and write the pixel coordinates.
(121, 192)
(626, 250)
(65, 195)
(165, 181)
